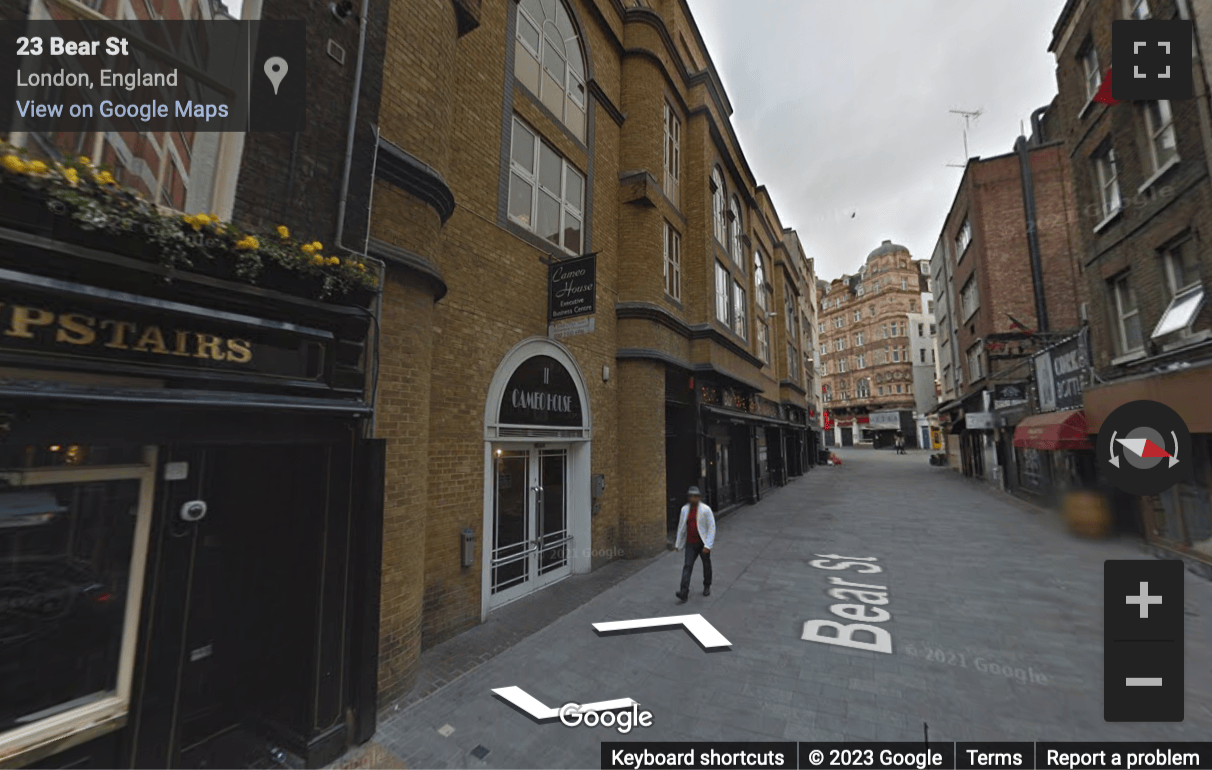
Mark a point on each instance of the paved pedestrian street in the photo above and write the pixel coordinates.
(996, 621)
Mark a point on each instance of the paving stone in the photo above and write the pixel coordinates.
(969, 572)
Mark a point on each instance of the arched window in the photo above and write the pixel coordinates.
(549, 60)
(762, 297)
(863, 388)
(717, 206)
(759, 280)
(734, 214)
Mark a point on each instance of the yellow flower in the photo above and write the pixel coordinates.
(309, 248)
(71, 175)
(15, 164)
(84, 159)
(105, 177)
(283, 232)
(37, 167)
(317, 246)
(318, 259)
(362, 266)
(247, 243)
(334, 260)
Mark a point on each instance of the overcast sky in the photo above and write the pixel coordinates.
(842, 107)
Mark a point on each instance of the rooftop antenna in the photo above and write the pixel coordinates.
(969, 116)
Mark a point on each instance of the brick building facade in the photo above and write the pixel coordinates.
(493, 160)
(1140, 172)
(865, 348)
(1009, 286)
(610, 140)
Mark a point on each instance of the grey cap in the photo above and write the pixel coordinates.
(693, 491)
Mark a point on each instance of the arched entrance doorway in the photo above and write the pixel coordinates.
(537, 499)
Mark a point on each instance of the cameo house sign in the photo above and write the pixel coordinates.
(541, 392)
(571, 296)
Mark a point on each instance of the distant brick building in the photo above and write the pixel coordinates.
(1140, 172)
(866, 348)
(1008, 285)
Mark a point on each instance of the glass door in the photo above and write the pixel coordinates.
(530, 538)
(552, 537)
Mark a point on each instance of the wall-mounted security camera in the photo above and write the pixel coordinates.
(194, 510)
(341, 9)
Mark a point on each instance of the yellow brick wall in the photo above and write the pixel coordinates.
(448, 101)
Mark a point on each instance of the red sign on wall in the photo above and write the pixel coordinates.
(827, 420)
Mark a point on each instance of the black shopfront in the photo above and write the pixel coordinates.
(748, 446)
(190, 518)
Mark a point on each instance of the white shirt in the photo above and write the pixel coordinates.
(706, 526)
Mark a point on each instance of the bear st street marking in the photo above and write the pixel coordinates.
(869, 596)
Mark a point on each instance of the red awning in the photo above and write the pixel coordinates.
(1054, 430)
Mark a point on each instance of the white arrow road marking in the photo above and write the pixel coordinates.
(1174, 456)
(703, 632)
(539, 711)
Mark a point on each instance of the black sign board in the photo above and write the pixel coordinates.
(571, 288)
(164, 340)
(541, 392)
(1009, 392)
(1060, 374)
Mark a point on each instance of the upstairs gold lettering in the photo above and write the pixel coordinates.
(78, 331)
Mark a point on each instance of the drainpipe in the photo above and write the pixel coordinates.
(353, 124)
(1037, 272)
(1036, 128)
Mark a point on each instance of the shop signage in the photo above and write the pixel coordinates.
(1009, 393)
(571, 288)
(541, 392)
(93, 333)
(979, 421)
(885, 420)
(1060, 373)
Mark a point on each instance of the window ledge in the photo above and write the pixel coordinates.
(1084, 111)
(1107, 220)
(1158, 174)
(1187, 340)
(1135, 355)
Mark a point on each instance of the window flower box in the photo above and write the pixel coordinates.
(73, 202)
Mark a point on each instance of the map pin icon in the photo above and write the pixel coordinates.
(275, 70)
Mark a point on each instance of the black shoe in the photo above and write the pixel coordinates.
(706, 590)
(682, 597)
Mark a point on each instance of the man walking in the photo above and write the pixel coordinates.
(696, 531)
(900, 443)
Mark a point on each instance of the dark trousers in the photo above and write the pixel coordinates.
(695, 551)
